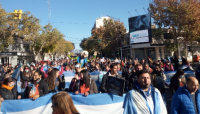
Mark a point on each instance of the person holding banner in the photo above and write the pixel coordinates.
(144, 98)
(62, 104)
(7, 89)
(38, 88)
(113, 72)
(53, 80)
(87, 84)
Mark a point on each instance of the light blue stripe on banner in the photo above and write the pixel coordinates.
(94, 73)
(173, 72)
(25, 104)
(170, 74)
(67, 84)
(28, 104)
(57, 67)
(97, 99)
(69, 73)
(45, 69)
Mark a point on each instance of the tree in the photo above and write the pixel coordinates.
(3, 39)
(30, 31)
(180, 17)
(63, 47)
(9, 28)
(48, 39)
(37, 39)
(83, 44)
(107, 38)
(12, 29)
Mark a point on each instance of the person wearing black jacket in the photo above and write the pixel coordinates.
(112, 72)
(127, 73)
(38, 88)
(176, 63)
(178, 80)
(8, 91)
(133, 77)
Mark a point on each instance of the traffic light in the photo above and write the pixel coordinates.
(17, 14)
(20, 14)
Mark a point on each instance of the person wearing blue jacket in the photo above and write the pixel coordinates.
(144, 98)
(186, 100)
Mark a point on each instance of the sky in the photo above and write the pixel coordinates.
(75, 18)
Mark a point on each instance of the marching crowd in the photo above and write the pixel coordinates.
(144, 83)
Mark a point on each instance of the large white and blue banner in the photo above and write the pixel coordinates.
(92, 104)
(69, 75)
(95, 75)
(170, 74)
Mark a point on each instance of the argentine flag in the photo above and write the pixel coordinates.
(92, 104)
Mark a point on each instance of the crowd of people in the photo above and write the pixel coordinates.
(144, 82)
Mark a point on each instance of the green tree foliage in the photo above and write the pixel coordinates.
(107, 38)
(3, 39)
(52, 41)
(63, 47)
(40, 40)
(48, 39)
(31, 27)
(180, 17)
(9, 27)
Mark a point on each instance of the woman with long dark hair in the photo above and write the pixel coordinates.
(75, 82)
(53, 80)
(87, 84)
(178, 80)
(38, 87)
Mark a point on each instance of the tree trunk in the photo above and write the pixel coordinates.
(172, 53)
(186, 50)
